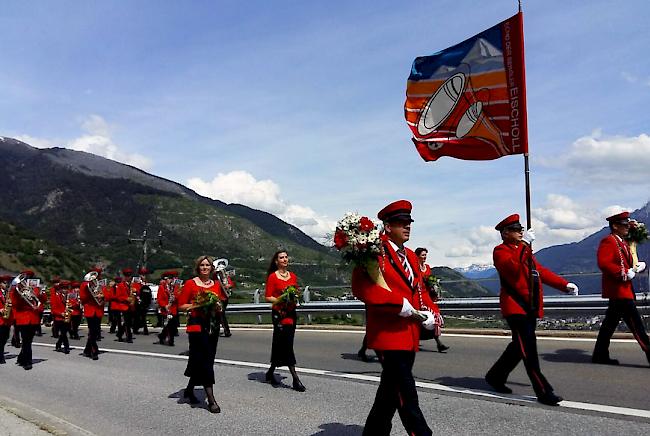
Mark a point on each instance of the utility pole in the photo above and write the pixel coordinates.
(142, 262)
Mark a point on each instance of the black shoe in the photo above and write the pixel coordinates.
(604, 360)
(297, 386)
(86, 354)
(27, 367)
(498, 386)
(550, 399)
(442, 348)
(363, 356)
(214, 408)
(171, 343)
(95, 357)
(66, 351)
(2, 361)
(191, 398)
(129, 341)
(227, 335)
(270, 377)
(120, 340)
(647, 355)
(57, 348)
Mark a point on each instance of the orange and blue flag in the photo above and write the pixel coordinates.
(469, 101)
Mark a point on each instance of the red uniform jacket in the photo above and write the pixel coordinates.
(109, 296)
(385, 329)
(3, 303)
(23, 312)
(614, 260)
(135, 287)
(91, 308)
(121, 301)
(163, 298)
(57, 304)
(189, 292)
(427, 272)
(73, 298)
(511, 262)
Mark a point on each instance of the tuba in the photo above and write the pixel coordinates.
(95, 287)
(220, 266)
(67, 313)
(25, 291)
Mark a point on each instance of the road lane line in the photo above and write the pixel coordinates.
(625, 411)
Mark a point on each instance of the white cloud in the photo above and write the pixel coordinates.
(35, 142)
(97, 141)
(631, 78)
(242, 187)
(601, 159)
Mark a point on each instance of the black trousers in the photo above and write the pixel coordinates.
(126, 326)
(224, 320)
(63, 328)
(170, 330)
(140, 322)
(4, 337)
(200, 364)
(523, 347)
(94, 323)
(15, 337)
(113, 319)
(396, 392)
(617, 310)
(27, 333)
(75, 322)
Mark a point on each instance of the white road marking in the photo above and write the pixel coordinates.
(625, 411)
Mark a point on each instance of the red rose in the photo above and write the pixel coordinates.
(365, 224)
(340, 239)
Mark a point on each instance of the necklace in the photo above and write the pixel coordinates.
(284, 275)
(423, 268)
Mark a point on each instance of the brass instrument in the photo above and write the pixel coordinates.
(95, 287)
(133, 295)
(7, 310)
(21, 283)
(220, 266)
(67, 313)
(169, 287)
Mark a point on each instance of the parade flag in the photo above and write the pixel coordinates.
(469, 101)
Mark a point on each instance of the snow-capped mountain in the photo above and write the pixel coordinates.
(477, 271)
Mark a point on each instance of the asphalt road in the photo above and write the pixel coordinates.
(140, 394)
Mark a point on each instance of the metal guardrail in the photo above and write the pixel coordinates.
(588, 304)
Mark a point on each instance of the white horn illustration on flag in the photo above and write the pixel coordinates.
(441, 104)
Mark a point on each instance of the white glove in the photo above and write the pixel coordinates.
(630, 274)
(428, 323)
(639, 267)
(529, 236)
(407, 309)
(572, 289)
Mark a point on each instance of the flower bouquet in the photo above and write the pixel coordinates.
(290, 296)
(638, 235)
(209, 303)
(432, 284)
(359, 241)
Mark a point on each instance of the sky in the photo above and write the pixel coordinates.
(296, 107)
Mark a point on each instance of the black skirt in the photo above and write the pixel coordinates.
(203, 350)
(283, 334)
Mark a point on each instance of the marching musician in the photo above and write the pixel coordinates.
(227, 284)
(6, 317)
(143, 302)
(167, 298)
(125, 304)
(26, 306)
(109, 300)
(91, 294)
(521, 306)
(615, 262)
(61, 316)
(75, 303)
(393, 325)
(56, 282)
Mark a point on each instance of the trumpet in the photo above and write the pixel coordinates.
(25, 291)
(95, 287)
